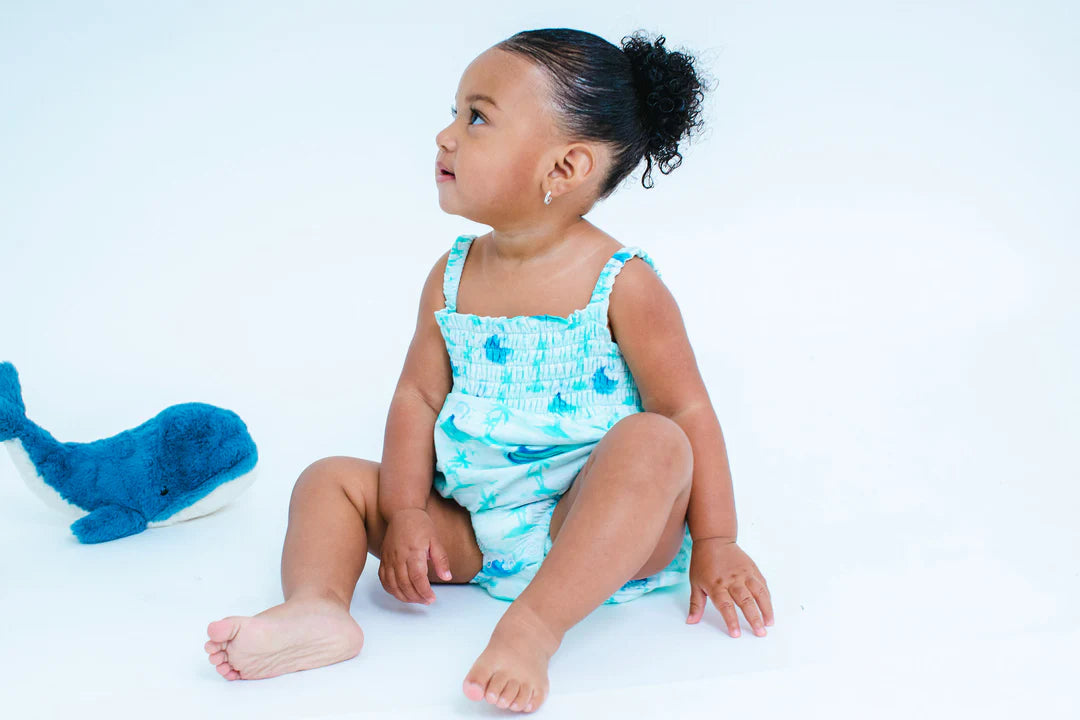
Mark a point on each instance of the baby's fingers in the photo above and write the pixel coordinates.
(697, 604)
(749, 607)
(397, 581)
(441, 560)
(390, 582)
(401, 575)
(723, 602)
(764, 599)
(418, 576)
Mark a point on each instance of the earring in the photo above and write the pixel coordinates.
(547, 198)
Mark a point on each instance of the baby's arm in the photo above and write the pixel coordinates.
(652, 337)
(408, 459)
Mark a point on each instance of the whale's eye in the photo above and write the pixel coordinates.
(164, 491)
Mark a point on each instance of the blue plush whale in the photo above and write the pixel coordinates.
(185, 462)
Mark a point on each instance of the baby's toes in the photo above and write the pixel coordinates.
(227, 671)
(535, 701)
(213, 647)
(224, 630)
(476, 682)
(522, 698)
(513, 687)
(218, 658)
(495, 686)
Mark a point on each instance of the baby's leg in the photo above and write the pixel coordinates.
(333, 523)
(627, 515)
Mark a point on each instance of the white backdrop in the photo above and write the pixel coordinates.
(873, 245)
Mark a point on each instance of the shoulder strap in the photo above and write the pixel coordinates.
(607, 276)
(455, 261)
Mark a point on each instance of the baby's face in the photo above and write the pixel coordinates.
(498, 152)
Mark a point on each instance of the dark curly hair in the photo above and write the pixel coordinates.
(640, 99)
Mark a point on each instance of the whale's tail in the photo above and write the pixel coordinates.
(12, 409)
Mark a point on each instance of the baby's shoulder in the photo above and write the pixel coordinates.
(635, 280)
(638, 299)
(432, 296)
(438, 269)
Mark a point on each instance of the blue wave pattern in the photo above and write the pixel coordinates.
(532, 395)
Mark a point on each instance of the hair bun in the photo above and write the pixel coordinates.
(671, 95)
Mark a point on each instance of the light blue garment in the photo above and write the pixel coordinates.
(532, 395)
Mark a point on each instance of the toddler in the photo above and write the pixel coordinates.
(557, 449)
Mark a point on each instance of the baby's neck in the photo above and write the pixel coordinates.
(521, 246)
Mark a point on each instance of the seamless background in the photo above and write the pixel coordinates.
(873, 245)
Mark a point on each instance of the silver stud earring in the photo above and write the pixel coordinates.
(547, 198)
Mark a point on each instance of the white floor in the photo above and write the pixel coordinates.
(932, 612)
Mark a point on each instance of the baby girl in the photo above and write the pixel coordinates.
(550, 438)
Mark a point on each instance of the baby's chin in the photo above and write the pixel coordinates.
(452, 206)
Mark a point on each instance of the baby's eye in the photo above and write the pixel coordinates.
(472, 113)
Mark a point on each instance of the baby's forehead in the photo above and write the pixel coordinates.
(510, 80)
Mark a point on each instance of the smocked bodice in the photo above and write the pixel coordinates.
(545, 363)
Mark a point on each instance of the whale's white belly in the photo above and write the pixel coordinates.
(50, 495)
(217, 498)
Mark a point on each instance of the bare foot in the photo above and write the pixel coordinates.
(512, 670)
(296, 635)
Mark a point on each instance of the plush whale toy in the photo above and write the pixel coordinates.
(187, 461)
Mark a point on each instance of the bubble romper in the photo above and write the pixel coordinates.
(532, 395)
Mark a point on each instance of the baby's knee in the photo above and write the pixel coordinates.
(356, 477)
(650, 432)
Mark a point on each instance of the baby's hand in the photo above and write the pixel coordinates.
(721, 570)
(403, 569)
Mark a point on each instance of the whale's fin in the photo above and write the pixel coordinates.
(12, 410)
(108, 522)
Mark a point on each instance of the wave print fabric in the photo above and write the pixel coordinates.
(532, 395)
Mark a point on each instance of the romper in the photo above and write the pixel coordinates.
(532, 395)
